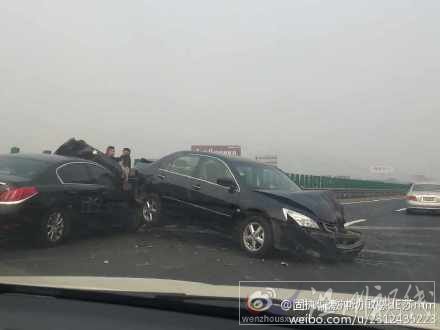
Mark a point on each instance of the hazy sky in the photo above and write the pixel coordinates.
(331, 87)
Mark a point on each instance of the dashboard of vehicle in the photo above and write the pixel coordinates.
(23, 311)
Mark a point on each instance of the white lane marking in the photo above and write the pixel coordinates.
(353, 222)
(406, 254)
(400, 210)
(395, 228)
(372, 201)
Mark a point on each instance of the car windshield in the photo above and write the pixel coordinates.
(258, 176)
(229, 148)
(21, 167)
(427, 187)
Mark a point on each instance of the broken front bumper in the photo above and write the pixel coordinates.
(346, 243)
(326, 243)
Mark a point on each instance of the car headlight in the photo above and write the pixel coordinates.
(301, 219)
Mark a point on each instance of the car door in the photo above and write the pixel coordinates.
(174, 184)
(114, 208)
(216, 204)
(80, 191)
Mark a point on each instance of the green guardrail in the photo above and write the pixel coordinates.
(327, 182)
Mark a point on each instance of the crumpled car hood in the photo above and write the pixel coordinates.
(321, 204)
(80, 149)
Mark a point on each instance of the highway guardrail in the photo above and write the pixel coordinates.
(349, 188)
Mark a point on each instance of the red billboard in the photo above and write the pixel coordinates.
(228, 150)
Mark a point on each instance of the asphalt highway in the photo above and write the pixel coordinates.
(399, 247)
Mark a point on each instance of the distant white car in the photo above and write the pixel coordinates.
(423, 196)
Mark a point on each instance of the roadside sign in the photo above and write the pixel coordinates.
(228, 150)
(381, 169)
(267, 159)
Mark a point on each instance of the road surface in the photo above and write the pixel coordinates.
(399, 247)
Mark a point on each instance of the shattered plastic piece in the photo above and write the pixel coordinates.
(284, 264)
(106, 261)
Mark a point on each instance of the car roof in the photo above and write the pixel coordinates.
(225, 158)
(49, 158)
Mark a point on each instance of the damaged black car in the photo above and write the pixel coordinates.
(47, 197)
(256, 203)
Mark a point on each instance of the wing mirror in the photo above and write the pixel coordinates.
(229, 183)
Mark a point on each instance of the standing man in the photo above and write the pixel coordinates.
(110, 152)
(125, 158)
(125, 162)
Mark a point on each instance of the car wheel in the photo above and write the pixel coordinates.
(150, 210)
(256, 236)
(54, 228)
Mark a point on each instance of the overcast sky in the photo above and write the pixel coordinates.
(331, 87)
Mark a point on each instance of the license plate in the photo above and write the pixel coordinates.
(429, 199)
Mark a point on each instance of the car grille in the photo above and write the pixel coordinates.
(334, 227)
(330, 227)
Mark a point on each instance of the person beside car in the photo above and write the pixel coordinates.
(110, 152)
(125, 162)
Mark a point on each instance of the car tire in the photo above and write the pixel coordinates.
(256, 237)
(150, 211)
(54, 228)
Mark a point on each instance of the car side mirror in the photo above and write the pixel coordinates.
(227, 182)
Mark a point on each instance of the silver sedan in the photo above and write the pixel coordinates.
(423, 196)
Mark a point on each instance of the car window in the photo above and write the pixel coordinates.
(74, 173)
(427, 187)
(101, 176)
(183, 164)
(260, 176)
(212, 169)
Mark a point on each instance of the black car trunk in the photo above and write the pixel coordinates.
(8, 181)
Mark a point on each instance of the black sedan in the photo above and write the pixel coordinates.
(49, 195)
(257, 203)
